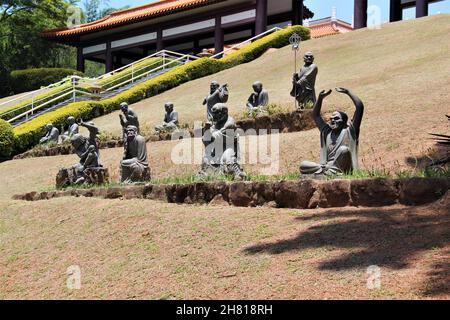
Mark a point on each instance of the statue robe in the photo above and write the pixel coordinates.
(347, 138)
(304, 87)
(135, 161)
(51, 135)
(219, 96)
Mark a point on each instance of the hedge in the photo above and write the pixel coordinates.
(6, 139)
(29, 133)
(33, 79)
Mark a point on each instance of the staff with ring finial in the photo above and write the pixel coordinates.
(295, 41)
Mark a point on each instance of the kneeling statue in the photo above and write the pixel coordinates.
(170, 119)
(221, 140)
(339, 139)
(88, 170)
(134, 165)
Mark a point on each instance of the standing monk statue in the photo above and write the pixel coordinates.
(134, 165)
(217, 94)
(339, 139)
(304, 82)
(259, 99)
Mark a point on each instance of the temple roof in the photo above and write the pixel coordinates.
(328, 27)
(136, 14)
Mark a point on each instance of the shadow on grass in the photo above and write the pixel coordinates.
(386, 237)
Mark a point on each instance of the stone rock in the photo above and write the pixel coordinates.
(219, 188)
(295, 194)
(418, 191)
(94, 176)
(114, 193)
(334, 194)
(374, 192)
(264, 192)
(155, 192)
(241, 194)
(219, 201)
(133, 192)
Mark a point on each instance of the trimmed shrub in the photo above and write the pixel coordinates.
(29, 133)
(6, 139)
(33, 79)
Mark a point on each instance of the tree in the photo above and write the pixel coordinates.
(21, 47)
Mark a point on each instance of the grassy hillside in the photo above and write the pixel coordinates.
(401, 68)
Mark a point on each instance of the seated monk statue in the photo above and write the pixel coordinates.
(339, 139)
(52, 134)
(221, 141)
(259, 99)
(304, 82)
(170, 119)
(72, 130)
(134, 165)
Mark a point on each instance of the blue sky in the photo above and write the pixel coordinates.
(322, 8)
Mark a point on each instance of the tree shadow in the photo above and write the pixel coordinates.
(386, 237)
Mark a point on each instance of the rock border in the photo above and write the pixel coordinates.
(284, 122)
(304, 194)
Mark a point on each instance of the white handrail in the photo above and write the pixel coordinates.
(35, 101)
(248, 40)
(147, 73)
(34, 92)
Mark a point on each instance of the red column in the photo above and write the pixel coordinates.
(109, 58)
(360, 14)
(297, 12)
(261, 16)
(159, 40)
(80, 60)
(218, 36)
(421, 8)
(396, 11)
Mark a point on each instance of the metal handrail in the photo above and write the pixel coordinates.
(33, 93)
(148, 72)
(31, 104)
(246, 41)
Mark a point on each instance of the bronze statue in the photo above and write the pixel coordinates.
(221, 140)
(128, 117)
(339, 139)
(72, 129)
(134, 165)
(170, 119)
(259, 99)
(88, 170)
(304, 82)
(52, 134)
(217, 94)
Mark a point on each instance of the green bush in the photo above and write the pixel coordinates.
(33, 79)
(6, 139)
(29, 133)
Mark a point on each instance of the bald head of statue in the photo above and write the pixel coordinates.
(214, 86)
(220, 112)
(308, 58)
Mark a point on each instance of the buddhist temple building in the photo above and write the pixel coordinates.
(185, 26)
(396, 10)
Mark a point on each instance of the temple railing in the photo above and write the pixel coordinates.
(73, 88)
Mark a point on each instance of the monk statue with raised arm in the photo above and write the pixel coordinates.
(339, 139)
